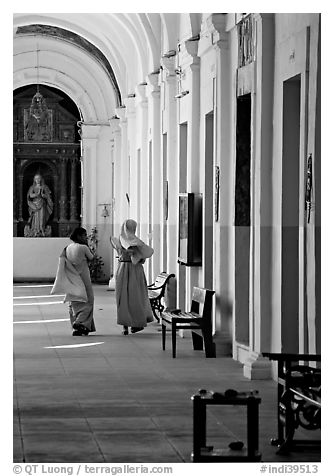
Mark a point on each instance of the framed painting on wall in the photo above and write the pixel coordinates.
(190, 229)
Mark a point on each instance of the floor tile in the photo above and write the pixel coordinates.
(124, 400)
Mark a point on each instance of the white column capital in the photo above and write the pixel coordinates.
(114, 124)
(130, 104)
(153, 84)
(141, 94)
(188, 57)
(191, 47)
(121, 112)
(217, 26)
(90, 131)
(141, 90)
(169, 65)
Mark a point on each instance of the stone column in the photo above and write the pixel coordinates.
(143, 178)
(20, 217)
(15, 220)
(63, 200)
(122, 208)
(74, 198)
(55, 197)
(172, 172)
(261, 194)
(116, 191)
(190, 65)
(223, 252)
(131, 158)
(157, 177)
(89, 138)
(14, 189)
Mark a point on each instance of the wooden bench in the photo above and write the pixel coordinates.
(298, 399)
(156, 291)
(198, 320)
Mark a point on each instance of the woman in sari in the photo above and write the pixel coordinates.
(73, 278)
(133, 305)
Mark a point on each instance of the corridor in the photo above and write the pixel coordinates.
(113, 398)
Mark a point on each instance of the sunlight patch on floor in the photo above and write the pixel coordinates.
(33, 286)
(39, 297)
(72, 346)
(38, 303)
(41, 321)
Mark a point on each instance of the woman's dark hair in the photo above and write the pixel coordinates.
(76, 233)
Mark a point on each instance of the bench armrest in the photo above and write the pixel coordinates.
(151, 286)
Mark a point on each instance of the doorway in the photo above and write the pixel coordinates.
(242, 220)
(290, 215)
(208, 202)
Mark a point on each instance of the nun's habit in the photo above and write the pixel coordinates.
(133, 305)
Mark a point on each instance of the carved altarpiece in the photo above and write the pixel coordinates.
(48, 146)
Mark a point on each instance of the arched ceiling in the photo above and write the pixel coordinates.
(98, 59)
(72, 38)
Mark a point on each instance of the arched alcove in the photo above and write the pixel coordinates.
(54, 154)
(45, 170)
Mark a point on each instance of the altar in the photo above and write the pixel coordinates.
(47, 188)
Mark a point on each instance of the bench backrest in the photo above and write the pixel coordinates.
(201, 302)
(162, 279)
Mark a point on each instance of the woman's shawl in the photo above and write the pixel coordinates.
(128, 239)
(141, 251)
(68, 281)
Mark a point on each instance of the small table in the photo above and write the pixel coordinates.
(203, 453)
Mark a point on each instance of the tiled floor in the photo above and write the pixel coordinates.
(119, 398)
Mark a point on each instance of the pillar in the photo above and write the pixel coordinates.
(131, 159)
(116, 191)
(157, 188)
(63, 200)
(143, 179)
(256, 367)
(89, 136)
(122, 207)
(74, 198)
(15, 220)
(169, 126)
(190, 65)
(20, 198)
(223, 253)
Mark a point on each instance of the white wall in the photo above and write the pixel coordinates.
(296, 42)
(36, 258)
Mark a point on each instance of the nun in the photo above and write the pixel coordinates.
(133, 305)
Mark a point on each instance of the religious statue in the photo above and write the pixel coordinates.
(40, 208)
(38, 124)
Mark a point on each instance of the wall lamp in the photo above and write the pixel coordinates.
(105, 212)
(169, 54)
(181, 94)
